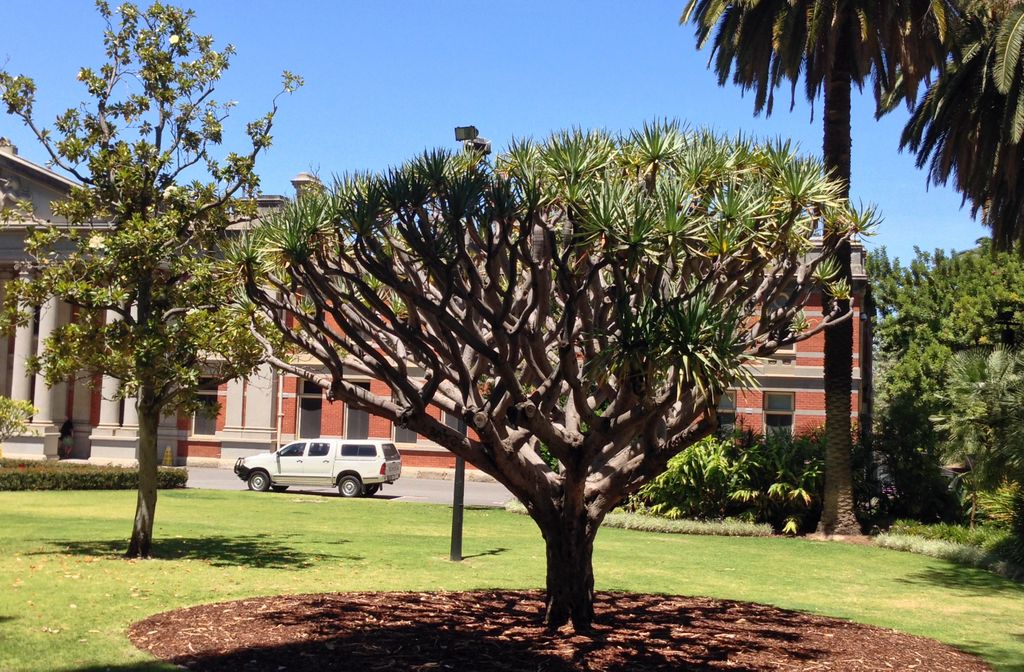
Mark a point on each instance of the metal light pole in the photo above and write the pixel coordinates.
(458, 497)
(471, 141)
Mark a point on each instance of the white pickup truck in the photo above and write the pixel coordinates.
(357, 468)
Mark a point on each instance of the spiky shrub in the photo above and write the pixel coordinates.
(592, 294)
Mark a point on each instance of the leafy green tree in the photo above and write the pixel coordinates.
(970, 124)
(592, 294)
(937, 305)
(833, 45)
(14, 417)
(982, 416)
(138, 257)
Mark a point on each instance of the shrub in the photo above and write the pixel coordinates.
(985, 537)
(14, 417)
(773, 479)
(999, 506)
(730, 527)
(697, 483)
(44, 475)
(963, 554)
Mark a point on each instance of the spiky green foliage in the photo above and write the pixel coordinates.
(969, 126)
(137, 257)
(591, 295)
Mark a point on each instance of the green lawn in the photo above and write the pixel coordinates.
(67, 597)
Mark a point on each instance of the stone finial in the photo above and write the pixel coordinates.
(304, 181)
(7, 147)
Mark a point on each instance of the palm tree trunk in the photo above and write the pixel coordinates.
(837, 515)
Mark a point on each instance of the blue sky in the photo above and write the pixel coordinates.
(385, 79)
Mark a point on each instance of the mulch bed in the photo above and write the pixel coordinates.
(501, 631)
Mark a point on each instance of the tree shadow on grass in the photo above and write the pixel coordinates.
(237, 551)
(970, 580)
(492, 551)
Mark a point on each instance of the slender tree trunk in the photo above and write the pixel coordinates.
(837, 515)
(145, 510)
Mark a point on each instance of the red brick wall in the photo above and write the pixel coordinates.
(95, 399)
(222, 410)
(380, 428)
(332, 418)
(430, 460)
(199, 449)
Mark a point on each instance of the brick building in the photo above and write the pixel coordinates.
(268, 409)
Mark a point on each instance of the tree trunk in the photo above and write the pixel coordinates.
(837, 516)
(570, 572)
(145, 510)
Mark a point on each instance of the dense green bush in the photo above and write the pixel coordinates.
(985, 537)
(774, 479)
(46, 475)
(730, 527)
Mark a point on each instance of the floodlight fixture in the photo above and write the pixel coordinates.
(480, 145)
(464, 133)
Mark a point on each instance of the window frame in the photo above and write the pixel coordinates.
(305, 395)
(348, 415)
(205, 393)
(789, 412)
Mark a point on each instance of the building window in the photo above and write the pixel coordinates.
(455, 422)
(405, 435)
(778, 412)
(357, 423)
(204, 421)
(727, 412)
(311, 408)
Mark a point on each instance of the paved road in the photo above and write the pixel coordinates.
(403, 490)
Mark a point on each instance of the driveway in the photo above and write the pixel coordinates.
(404, 490)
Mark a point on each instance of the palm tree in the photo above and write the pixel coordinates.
(832, 45)
(983, 415)
(971, 122)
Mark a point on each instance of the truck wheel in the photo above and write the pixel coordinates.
(371, 490)
(279, 488)
(350, 486)
(259, 481)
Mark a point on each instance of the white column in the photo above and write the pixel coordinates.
(259, 399)
(21, 382)
(131, 413)
(110, 405)
(233, 404)
(5, 381)
(48, 400)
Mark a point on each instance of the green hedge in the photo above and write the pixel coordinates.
(47, 475)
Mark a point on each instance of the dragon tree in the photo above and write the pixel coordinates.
(581, 303)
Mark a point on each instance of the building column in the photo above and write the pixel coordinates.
(5, 380)
(49, 401)
(131, 413)
(21, 382)
(110, 405)
(234, 404)
(249, 424)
